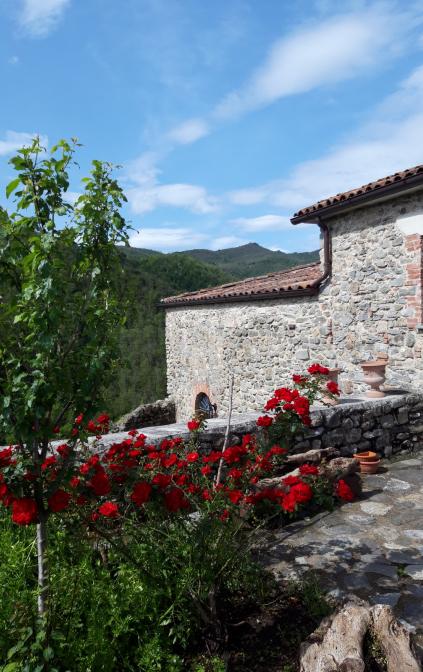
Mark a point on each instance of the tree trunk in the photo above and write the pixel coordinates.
(42, 564)
(337, 644)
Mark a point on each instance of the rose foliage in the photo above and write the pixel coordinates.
(174, 477)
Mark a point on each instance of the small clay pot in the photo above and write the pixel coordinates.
(369, 467)
(367, 456)
(369, 462)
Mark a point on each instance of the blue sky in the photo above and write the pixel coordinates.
(226, 116)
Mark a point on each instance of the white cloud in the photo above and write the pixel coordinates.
(149, 194)
(226, 241)
(14, 141)
(167, 238)
(247, 196)
(262, 223)
(392, 141)
(188, 132)
(13, 60)
(335, 50)
(188, 196)
(39, 17)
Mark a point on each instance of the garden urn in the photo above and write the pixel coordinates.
(374, 376)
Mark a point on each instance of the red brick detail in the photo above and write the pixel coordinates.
(414, 278)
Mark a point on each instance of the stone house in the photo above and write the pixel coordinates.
(364, 297)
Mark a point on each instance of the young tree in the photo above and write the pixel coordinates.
(60, 312)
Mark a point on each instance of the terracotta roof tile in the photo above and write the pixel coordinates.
(300, 278)
(360, 193)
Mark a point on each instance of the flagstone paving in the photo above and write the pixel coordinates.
(372, 548)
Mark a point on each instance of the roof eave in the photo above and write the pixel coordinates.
(377, 194)
(260, 296)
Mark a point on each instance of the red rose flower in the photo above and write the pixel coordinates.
(74, 482)
(271, 404)
(300, 380)
(318, 369)
(141, 493)
(192, 457)
(302, 406)
(109, 510)
(332, 387)
(5, 457)
(63, 450)
(79, 418)
(302, 492)
(59, 501)
(193, 425)
(169, 461)
(264, 421)
(48, 462)
(291, 480)
(284, 394)
(288, 502)
(206, 470)
(308, 470)
(234, 495)
(24, 511)
(161, 480)
(175, 500)
(343, 491)
(276, 450)
(100, 483)
(92, 427)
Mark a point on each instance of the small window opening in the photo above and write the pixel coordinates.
(204, 407)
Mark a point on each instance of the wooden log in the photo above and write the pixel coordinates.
(340, 467)
(337, 644)
(394, 640)
(313, 456)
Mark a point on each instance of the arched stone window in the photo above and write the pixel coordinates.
(204, 407)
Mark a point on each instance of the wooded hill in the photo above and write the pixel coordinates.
(148, 277)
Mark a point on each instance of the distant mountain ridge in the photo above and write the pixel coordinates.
(243, 261)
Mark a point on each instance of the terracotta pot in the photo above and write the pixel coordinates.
(367, 456)
(333, 376)
(369, 462)
(374, 376)
(369, 467)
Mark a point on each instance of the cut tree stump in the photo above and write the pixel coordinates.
(337, 644)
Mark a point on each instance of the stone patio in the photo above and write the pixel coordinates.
(372, 548)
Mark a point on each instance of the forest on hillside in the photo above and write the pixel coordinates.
(150, 276)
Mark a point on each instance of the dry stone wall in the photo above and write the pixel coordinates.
(388, 426)
(370, 304)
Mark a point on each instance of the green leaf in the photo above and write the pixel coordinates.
(12, 186)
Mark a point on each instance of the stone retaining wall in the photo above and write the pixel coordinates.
(161, 412)
(388, 426)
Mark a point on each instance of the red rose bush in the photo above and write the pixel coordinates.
(176, 476)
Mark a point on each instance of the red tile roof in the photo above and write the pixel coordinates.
(299, 280)
(396, 182)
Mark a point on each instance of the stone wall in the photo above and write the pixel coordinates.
(161, 412)
(370, 304)
(388, 426)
